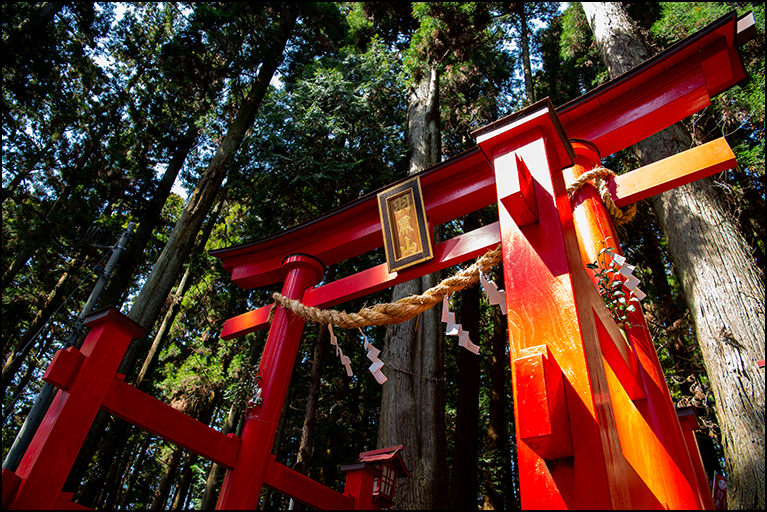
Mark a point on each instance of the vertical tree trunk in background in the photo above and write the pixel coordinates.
(720, 280)
(134, 253)
(149, 303)
(413, 399)
(464, 482)
(73, 176)
(25, 344)
(150, 300)
(524, 36)
(164, 330)
(170, 463)
(499, 491)
(306, 448)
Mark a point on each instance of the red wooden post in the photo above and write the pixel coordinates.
(46, 463)
(648, 428)
(689, 422)
(242, 485)
(545, 282)
(360, 478)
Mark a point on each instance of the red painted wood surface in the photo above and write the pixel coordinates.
(63, 368)
(305, 490)
(448, 253)
(628, 450)
(677, 83)
(689, 422)
(629, 108)
(674, 171)
(644, 413)
(544, 422)
(462, 186)
(542, 309)
(360, 481)
(53, 450)
(148, 413)
(10, 484)
(242, 485)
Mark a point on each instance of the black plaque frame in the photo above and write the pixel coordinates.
(406, 193)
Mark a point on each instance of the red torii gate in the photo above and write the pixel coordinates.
(595, 424)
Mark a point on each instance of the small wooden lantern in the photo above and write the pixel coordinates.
(389, 461)
(407, 239)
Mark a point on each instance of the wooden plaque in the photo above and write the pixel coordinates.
(403, 221)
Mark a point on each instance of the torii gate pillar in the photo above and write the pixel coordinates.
(242, 485)
(580, 390)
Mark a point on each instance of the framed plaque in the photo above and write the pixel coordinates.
(407, 240)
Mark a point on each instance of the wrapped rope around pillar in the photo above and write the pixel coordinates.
(598, 177)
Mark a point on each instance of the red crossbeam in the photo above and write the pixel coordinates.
(446, 254)
(152, 415)
(303, 489)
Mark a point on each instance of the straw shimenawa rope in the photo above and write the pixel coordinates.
(396, 312)
(598, 176)
(408, 307)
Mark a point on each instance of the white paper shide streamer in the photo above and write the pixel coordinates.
(626, 270)
(373, 354)
(494, 295)
(454, 329)
(344, 359)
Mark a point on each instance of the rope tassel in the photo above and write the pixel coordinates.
(395, 312)
(598, 177)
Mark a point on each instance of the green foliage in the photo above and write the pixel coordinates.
(737, 113)
(347, 116)
(611, 287)
(572, 65)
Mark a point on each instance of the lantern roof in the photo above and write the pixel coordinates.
(390, 455)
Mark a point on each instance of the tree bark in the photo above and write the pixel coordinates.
(413, 399)
(25, 344)
(148, 304)
(306, 448)
(170, 462)
(151, 299)
(721, 283)
(463, 479)
(115, 292)
(524, 34)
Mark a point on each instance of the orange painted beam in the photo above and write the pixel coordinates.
(672, 172)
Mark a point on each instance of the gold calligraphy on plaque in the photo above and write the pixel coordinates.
(406, 234)
(404, 225)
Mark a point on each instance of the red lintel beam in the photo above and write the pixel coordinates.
(672, 172)
(451, 189)
(303, 489)
(661, 91)
(152, 415)
(448, 253)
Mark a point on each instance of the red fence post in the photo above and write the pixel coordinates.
(242, 484)
(46, 463)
